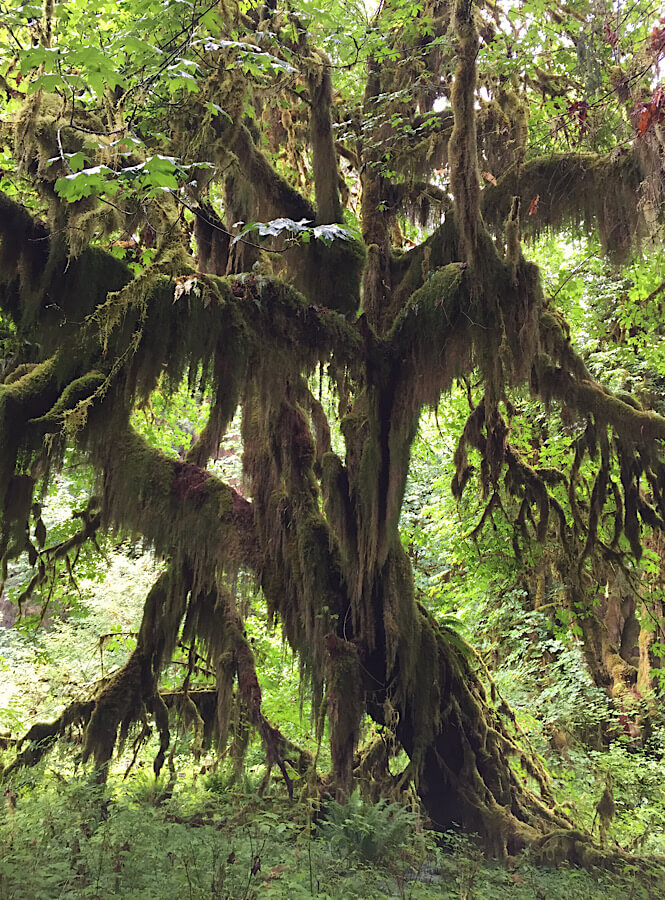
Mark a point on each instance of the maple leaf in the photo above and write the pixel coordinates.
(657, 38)
(579, 111)
(611, 35)
(651, 112)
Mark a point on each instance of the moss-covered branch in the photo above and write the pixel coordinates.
(590, 190)
(324, 159)
(179, 508)
(635, 426)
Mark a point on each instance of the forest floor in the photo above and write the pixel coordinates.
(63, 837)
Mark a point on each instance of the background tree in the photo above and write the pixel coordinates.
(127, 168)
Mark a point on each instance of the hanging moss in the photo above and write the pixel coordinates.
(48, 296)
(585, 190)
(324, 160)
(502, 130)
(212, 240)
(25, 399)
(411, 270)
(43, 137)
(41, 736)
(75, 394)
(331, 275)
(462, 147)
(339, 511)
(430, 336)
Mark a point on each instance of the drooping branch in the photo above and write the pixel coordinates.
(579, 189)
(275, 196)
(42, 736)
(132, 691)
(634, 425)
(178, 508)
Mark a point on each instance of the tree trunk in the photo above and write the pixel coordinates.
(460, 741)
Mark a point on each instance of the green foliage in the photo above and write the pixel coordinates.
(72, 839)
(373, 833)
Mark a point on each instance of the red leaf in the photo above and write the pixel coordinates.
(533, 206)
(651, 112)
(579, 110)
(611, 35)
(657, 39)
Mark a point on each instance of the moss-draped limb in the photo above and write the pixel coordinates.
(582, 189)
(324, 159)
(22, 400)
(42, 736)
(277, 196)
(303, 574)
(126, 698)
(278, 749)
(131, 692)
(329, 275)
(431, 337)
(462, 147)
(409, 271)
(634, 426)
(98, 292)
(179, 508)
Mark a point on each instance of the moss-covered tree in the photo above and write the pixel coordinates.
(106, 162)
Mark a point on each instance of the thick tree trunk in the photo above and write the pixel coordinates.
(427, 681)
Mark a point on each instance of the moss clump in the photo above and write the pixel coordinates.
(410, 270)
(73, 401)
(331, 275)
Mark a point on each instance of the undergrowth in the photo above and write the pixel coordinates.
(66, 837)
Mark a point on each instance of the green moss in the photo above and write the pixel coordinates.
(345, 703)
(26, 398)
(331, 276)
(76, 395)
(430, 339)
(585, 190)
(462, 147)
